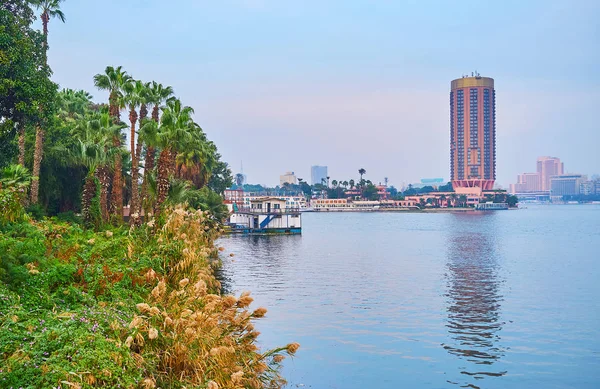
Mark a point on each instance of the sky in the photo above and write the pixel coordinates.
(283, 85)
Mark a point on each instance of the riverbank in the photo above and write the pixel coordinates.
(125, 308)
(404, 210)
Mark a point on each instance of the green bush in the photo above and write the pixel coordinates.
(36, 211)
(11, 208)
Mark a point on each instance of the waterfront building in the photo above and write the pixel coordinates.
(318, 174)
(548, 167)
(288, 178)
(566, 184)
(266, 215)
(473, 132)
(291, 202)
(234, 196)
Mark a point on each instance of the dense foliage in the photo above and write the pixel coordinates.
(124, 308)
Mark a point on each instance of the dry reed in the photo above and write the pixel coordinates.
(186, 331)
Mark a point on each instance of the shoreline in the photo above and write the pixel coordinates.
(406, 210)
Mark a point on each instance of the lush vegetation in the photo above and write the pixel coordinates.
(85, 300)
(71, 143)
(127, 308)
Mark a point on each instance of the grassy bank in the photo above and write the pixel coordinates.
(124, 308)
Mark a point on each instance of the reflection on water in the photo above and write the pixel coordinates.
(473, 298)
(271, 250)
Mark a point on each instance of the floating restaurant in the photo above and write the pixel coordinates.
(264, 216)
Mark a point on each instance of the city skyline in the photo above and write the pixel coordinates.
(349, 95)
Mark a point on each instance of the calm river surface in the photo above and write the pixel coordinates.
(509, 299)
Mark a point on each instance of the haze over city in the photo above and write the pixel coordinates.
(350, 85)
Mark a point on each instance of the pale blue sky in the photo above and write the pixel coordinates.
(283, 85)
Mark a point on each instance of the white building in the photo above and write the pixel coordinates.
(266, 215)
(288, 177)
(318, 174)
(291, 202)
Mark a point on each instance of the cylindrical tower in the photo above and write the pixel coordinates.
(473, 132)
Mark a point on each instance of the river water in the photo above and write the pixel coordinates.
(506, 299)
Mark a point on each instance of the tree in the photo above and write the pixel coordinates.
(220, 178)
(15, 176)
(95, 136)
(351, 182)
(512, 201)
(334, 183)
(49, 8)
(362, 172)
(174, 133)
(446, 187)
(21, 74)
(370, 192)
(410, 191)
(453, 198)
(157, 96)
(239, 179)
(135, 96)
(114, 81)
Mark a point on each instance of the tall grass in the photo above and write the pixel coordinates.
(125, 308)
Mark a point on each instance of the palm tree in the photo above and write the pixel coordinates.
(114, 81)
(174, 133)
(443, 199)
(351, 182)
(156, 96)
(98, 131)
(453, 199)
(49, 8)
(334, 183)
(362, 172)
(135, 96)
(345, 184)
(15, 176)
(239, 179)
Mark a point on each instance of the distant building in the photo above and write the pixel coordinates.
(289, 178)
(473, 132)
(548, 167)
(527, 183)
(318, 174)
(587, 188)
(433, 182)
(566, 184)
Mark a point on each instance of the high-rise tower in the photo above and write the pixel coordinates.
(473, 132)
(548, 167)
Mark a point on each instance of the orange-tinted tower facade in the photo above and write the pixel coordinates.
(473, 132)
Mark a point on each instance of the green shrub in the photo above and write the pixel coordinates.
(36, 211)
(11, 208)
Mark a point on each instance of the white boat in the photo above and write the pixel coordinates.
(491, 206)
